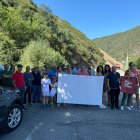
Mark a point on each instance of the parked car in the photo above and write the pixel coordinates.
(10, 109)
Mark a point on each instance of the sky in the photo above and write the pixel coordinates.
(97, 18)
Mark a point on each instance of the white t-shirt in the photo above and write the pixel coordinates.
(54, 89)
(45, 84)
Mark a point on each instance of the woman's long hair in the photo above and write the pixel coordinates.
(98, 69)
(105, 69)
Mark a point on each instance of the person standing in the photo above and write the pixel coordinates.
(133, 72)
(19, 83)
(127, 96)
(113, 83)
(69, 71)
(45, 83)
(100, 72)
(53, 72)
(1, 71)
(107, 70)
(28, 77)
(36, 85)
(92, 71)
(53, 90)
(76, 69)
(82, 71)
(7, 77)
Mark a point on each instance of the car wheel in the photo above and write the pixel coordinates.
(14, 117)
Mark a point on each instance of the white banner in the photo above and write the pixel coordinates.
(76, 89)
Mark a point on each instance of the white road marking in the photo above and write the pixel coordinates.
(37, 127)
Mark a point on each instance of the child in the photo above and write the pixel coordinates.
(45, 82)
(53, 90)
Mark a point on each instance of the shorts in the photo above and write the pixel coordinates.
(137, 90)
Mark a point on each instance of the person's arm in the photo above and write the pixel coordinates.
(31, 77)
(7, 76)
(108, 85)
(108, 81)
(14, 84)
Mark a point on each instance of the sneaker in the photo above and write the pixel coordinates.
(117, 108)
(104, 106)
(122, 108)
(101, 106)
(129, 108)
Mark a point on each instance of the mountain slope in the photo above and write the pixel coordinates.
(22, 22)
(118, 45)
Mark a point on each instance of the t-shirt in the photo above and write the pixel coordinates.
(134, 73)
(75, 70)
(45, 84)
(54, 88)
(1, 74)
(92, 72)
(53, 73)
(83, 73)
(114, 80)
(19, 79)
(37, 79)
(6, 81)
(28, 76)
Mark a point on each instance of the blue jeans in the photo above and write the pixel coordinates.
(36, 93)
(21, 93)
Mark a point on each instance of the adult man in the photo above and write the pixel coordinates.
(133, 72)
(28, 77)
(113, 83)
(36, 85)
(76, 69)
(18, 82)
(92, 71)
(53, 72)
(6, 76)
(82, 71)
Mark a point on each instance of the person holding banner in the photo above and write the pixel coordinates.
(83, 71)
(113, 83)
(107, 70)
(133, 72)
(100, 72)
(126, 84)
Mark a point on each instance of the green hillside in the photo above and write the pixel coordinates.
(118, 45)
(34, 36)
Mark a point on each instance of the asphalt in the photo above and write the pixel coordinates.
(77, 123)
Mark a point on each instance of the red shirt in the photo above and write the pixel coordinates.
(82, 73)
(19, 79)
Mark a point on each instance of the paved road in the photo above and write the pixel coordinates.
(77, 123)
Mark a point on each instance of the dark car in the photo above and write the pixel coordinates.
(10, 109)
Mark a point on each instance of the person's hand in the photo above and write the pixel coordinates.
(25, 88)
(109, 88)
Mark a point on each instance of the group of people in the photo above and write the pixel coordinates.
(36, 85)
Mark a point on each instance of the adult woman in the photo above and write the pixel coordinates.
(100, 72)
(107, 70)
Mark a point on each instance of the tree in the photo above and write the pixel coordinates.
(39, 53)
